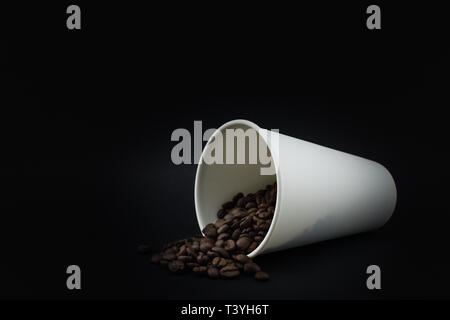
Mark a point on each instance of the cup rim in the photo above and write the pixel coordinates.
(260, 248)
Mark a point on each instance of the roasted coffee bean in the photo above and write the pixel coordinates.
(182, 250)
(219, 223)
(261, 276)
(221, 213)
(191, 265)
(185, 258)
(178, 243)
(251, 268)
(250, 205)
(241, 226)
(259, 199)
(242, 258)
(169, 256)
(223, 228)
(229, 271)
(171, 250)
(200, 270)
(243, 243)
(235, 234)
(223, 262)
(252, 246)
(156, 258)
(210, 230)
(191, 251)
(264, 215)
(213, 272)
(267, 197)
(241, 202)
(223, 236)
(229, 245)
(252, 210)
(205, 247)
(202, 259)
(262, 206)
(221, 251)
(215, 261)
(235, 224)
(207, 241)
(195, 246)
(144, 249)
(264, 226)
(228, 217)
(237, 197)
(257, 220)
(258, 238)
(176, 266)
(272, 196)
(246, 222)
(238, 212)
(212, 254)
(219, 243)
(228, 205)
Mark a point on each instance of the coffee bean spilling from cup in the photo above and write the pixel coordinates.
(222, 252)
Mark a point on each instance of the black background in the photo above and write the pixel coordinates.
(86, 120)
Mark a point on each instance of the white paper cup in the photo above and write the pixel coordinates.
(322, 193)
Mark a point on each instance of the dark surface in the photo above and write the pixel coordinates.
(86, 119)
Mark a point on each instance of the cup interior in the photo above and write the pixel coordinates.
(216, 184)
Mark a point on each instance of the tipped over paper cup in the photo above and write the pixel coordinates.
(321, 193)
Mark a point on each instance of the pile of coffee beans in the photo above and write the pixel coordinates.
(222, 252)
